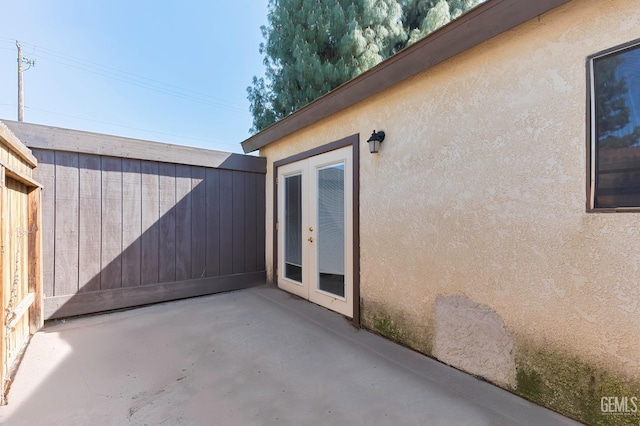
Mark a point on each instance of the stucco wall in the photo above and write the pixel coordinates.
(479, 191)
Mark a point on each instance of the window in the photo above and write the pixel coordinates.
(614, 181)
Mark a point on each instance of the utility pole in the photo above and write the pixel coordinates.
(20, 90)
(31, 63)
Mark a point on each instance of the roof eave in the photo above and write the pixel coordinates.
(484, 22)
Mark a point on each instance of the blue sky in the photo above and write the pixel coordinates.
(95, 61)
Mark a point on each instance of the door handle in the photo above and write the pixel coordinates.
(310, 239)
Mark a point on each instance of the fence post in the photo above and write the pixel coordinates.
(3, 340)
(36, 313)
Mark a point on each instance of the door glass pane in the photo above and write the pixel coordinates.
(293, 227)
(331, 235)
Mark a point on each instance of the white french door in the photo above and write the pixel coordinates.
(315, 229)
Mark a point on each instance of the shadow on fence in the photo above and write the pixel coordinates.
(120, 232)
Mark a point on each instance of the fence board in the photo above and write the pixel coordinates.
(4, 276)
(198, 223)
(150, 226)
(213, 222)
(97, 301)
(226, 222)
(90, 211)
(167, 223)
(36, 312)
(111, 275)
(262, 225)
(66, 223)
(183, 222)
(15, 285)
(238, 222)
(45, 174)
(131, 222)
(250, 223)
(57, 139)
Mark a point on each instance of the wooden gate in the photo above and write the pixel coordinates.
(20, 248)
(16, 284)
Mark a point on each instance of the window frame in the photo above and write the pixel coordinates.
(591, 130)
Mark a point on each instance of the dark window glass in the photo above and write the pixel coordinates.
(293, 227)
(617, 129)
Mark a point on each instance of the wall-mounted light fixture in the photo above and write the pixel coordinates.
(375, 140)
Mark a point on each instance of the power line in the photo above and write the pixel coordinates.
(135, 76)
(159, 90)
(54, 52)
(133, 79)
(124, 126)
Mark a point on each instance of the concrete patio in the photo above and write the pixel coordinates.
(251, 357)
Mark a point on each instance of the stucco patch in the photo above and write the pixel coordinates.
(473, 338)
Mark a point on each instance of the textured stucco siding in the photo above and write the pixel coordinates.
(479, 191)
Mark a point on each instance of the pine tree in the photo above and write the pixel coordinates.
(313, 46)
(423, 17)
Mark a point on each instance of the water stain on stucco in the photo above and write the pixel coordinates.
(397, 326)
(545, 376)
(572, 387)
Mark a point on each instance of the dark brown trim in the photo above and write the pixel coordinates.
(590, 143)
(274, 266)
(354, 142)
(349, 140)
(107, 300)
(356, 231)
(486, 21)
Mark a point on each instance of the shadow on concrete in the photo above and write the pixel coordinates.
(257, 356)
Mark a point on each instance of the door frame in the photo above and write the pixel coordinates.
(354, 142)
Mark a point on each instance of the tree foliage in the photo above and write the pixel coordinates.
(313, 46)
(422, 17)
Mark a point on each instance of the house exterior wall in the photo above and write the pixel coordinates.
(475, 244)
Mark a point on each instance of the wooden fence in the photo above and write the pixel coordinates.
(20, 252)
(129, 222)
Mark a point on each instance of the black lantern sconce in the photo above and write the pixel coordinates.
(375, 140)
